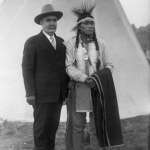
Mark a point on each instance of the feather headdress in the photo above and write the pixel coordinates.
(84, 12)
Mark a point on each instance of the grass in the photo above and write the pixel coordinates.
(18, 135)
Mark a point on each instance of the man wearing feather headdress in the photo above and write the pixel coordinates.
(85, 55)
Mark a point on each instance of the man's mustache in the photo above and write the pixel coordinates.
(52, 27)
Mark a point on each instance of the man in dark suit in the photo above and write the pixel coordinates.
(45, 78)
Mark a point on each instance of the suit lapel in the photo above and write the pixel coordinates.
(45, 42)
(47, 45)
(58, 43)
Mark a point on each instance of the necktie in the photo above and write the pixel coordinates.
(53, 42)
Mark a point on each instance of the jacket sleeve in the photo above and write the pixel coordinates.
(28, 66)
(73, 72)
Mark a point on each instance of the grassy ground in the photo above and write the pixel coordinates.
(18, 135)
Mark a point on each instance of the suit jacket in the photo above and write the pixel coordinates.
(44, 68)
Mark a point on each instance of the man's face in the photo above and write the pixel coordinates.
(49, 24)
(87, 27)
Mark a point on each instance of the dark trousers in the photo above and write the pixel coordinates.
(46, 122)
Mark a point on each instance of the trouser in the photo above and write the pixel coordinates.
(75, 129)
(79, 123)
(46, 122)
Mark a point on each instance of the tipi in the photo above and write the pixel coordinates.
(131, 70)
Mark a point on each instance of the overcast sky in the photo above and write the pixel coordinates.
(138, 11)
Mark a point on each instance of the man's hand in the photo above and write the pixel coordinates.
(90, 83)
(31, 100)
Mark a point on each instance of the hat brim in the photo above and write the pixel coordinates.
(58, 14)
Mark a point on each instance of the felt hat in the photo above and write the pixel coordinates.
(46, 11)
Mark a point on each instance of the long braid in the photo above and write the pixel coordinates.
(96, 42)
(98, 64)
(77, 38)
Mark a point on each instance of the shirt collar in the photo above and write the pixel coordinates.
(48, 36)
